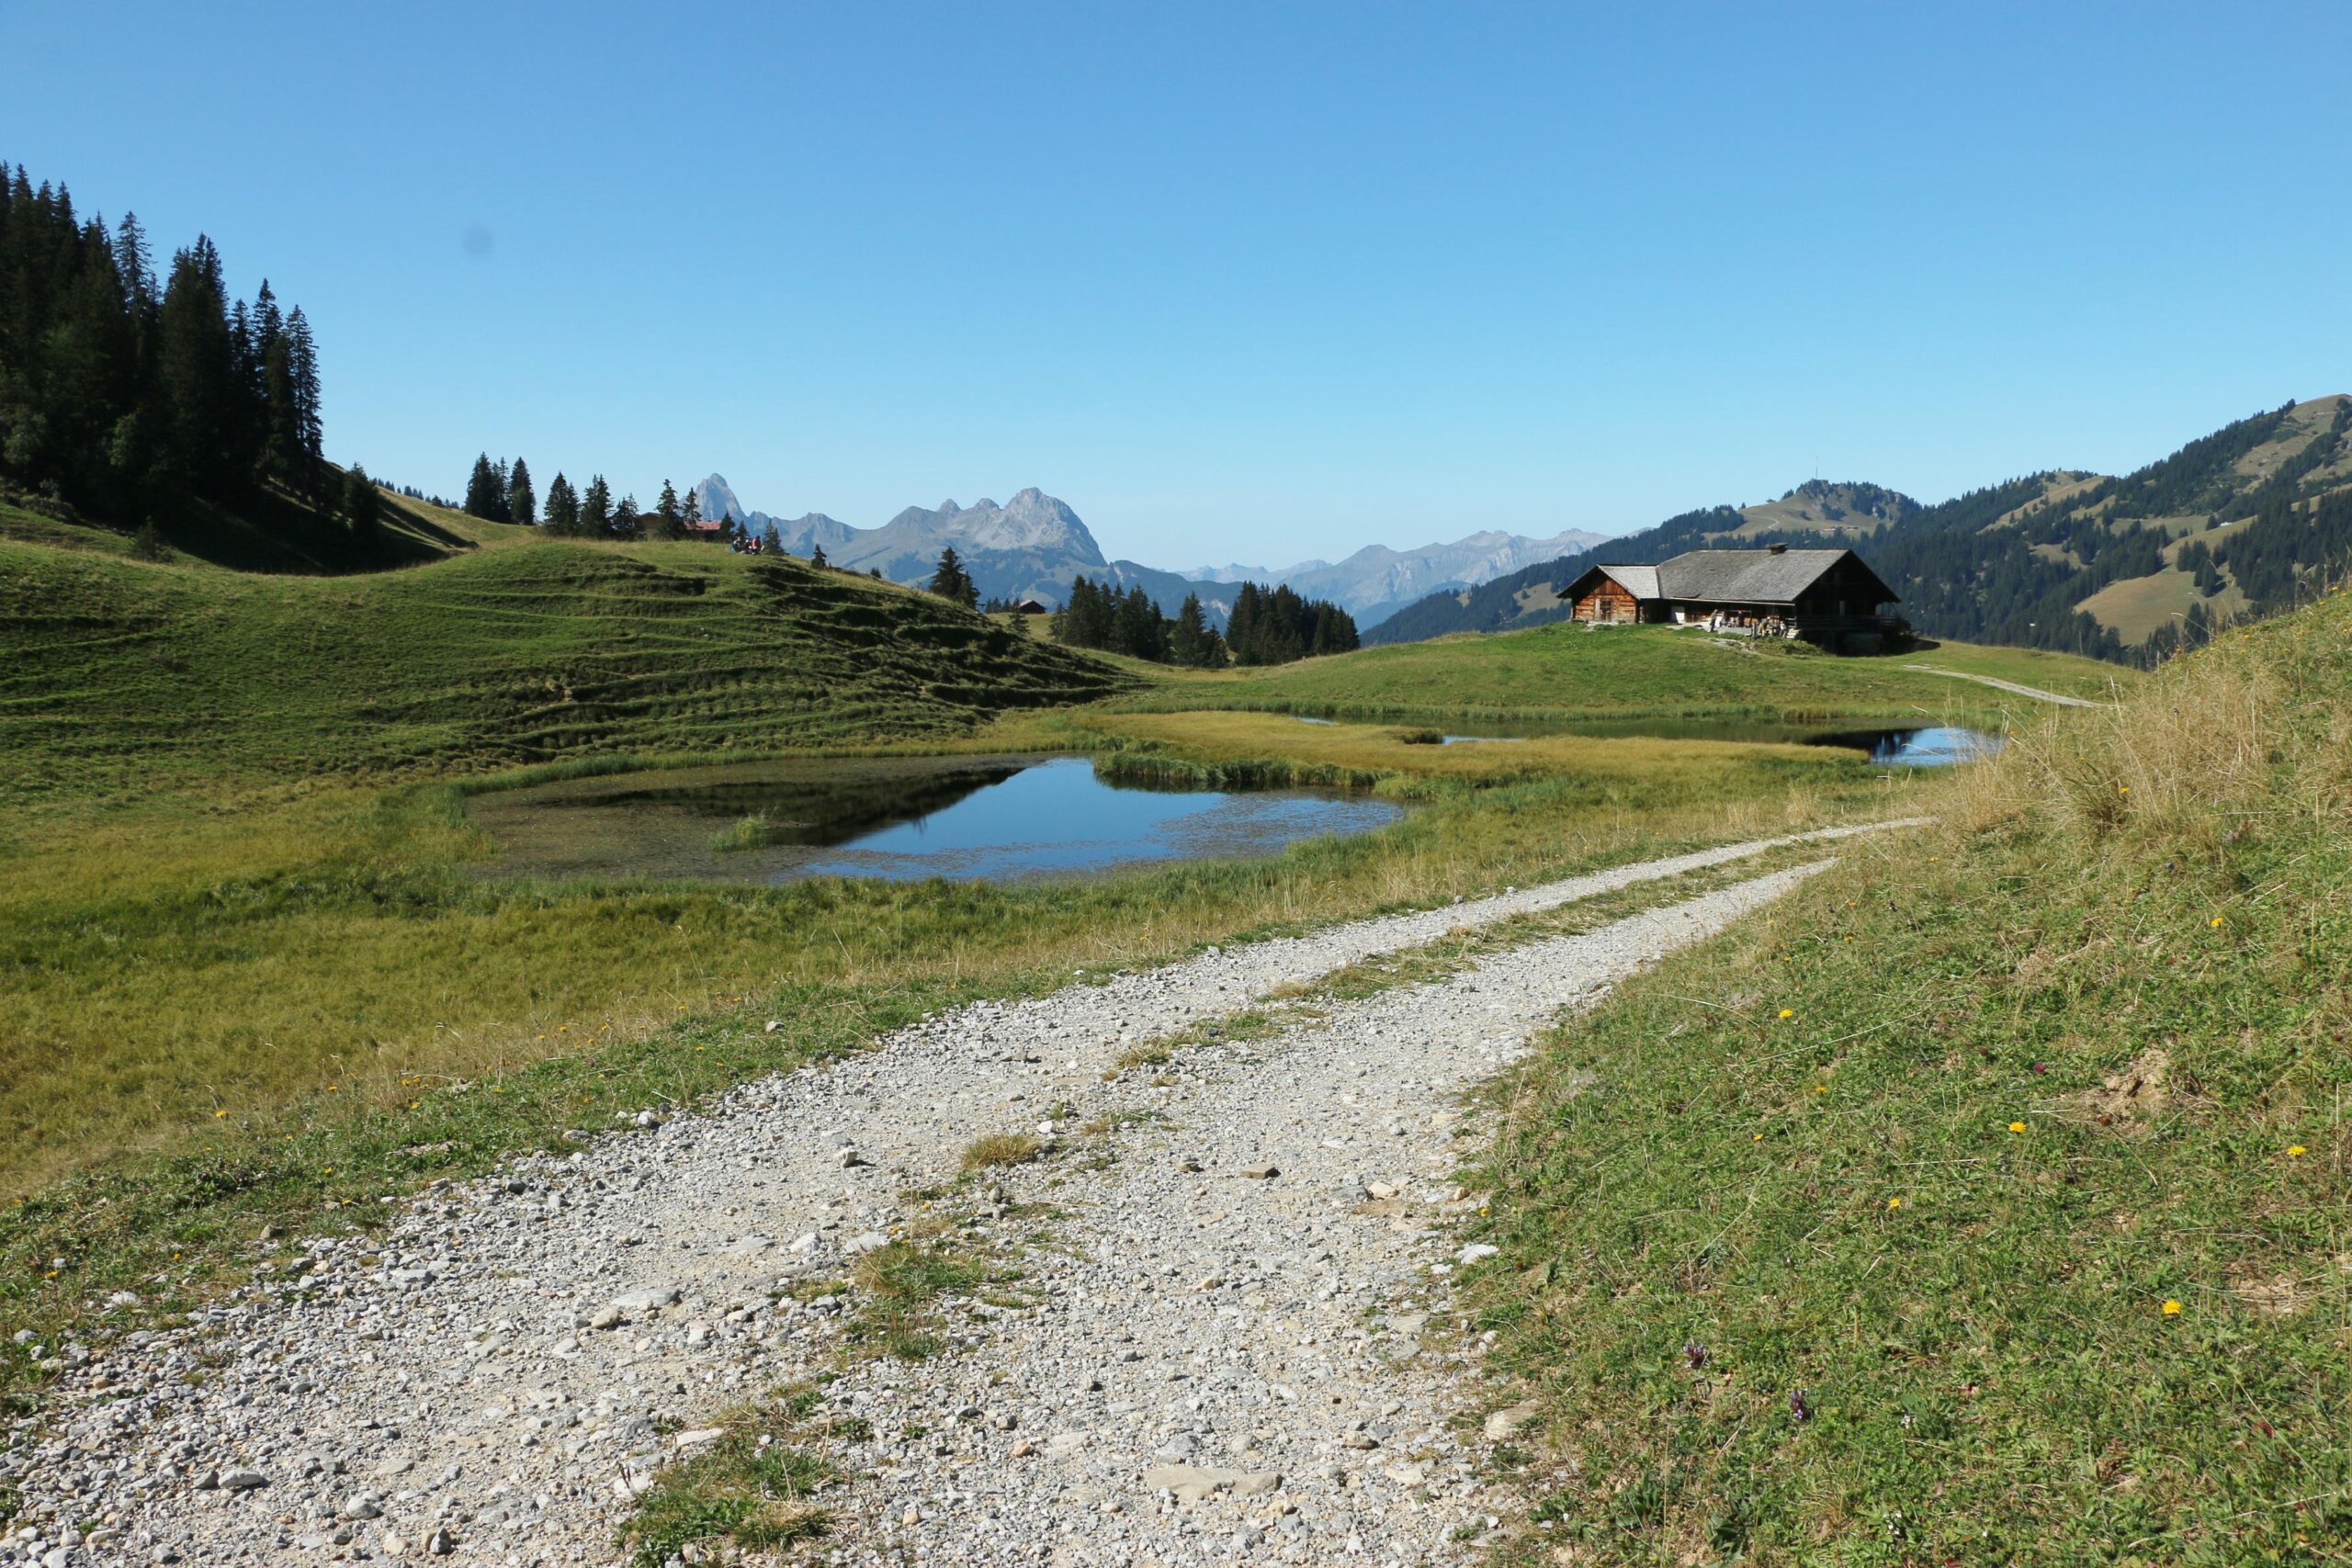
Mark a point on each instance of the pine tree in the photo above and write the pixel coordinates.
(481, 489)
(522, 502)
(563, 507)
(596, 510)
(626, 521)
(302, 355)
(771, 542)
(195, 373)
(362, 507)
(1189, 637)
(669, 521)
(952, 583)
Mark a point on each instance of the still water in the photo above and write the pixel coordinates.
(1927, 746)
(902, 818)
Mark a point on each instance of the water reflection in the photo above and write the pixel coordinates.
(997, 818)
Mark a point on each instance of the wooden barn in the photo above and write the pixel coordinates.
(1827, 596)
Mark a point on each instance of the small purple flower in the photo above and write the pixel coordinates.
(1798, 1409)
(1695, 1355)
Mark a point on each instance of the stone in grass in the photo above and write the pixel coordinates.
(1504, 1425)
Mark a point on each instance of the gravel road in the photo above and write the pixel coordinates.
(2059, 698)
(1230, 1341)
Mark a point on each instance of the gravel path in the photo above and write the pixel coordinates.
(1207, 1362)
(2061, 698)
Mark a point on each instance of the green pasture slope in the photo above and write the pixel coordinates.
(114, 671)
(1568, 672)
(1991, 1200)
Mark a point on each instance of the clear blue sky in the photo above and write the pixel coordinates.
(1252, 283)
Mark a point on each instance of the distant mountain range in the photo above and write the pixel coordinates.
(2242, 522)
(1034, 545)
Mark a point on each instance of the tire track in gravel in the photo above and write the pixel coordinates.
(490, 1380)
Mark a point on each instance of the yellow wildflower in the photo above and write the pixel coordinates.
(2296, 1151)
(1788, 1013)
(2016, 1126)
(2172, 1308)
(1894, 1203)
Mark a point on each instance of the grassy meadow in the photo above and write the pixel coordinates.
(1988, 1201)
(1569, 671)
(254, 975)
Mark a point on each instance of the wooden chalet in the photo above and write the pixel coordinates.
(1827, 596)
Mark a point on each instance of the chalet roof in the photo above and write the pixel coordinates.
(1641, 582)
(1747, 576)
(1728, 577)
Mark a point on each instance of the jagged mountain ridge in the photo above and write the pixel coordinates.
(2238, 521)
(1035, 544)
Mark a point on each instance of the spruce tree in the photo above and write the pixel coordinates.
(195, 372)
(626, 521)
(481, 489)
(596, 509)
(1188, 638)
(522, 502)
(302, 354)
(668, 517)
(362, 507)
(952, 583)
(563, 507)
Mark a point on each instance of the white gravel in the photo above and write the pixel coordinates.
(493, 1381)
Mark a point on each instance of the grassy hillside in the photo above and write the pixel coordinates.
(114, 671)
(1990, 1203)
(1568, 672)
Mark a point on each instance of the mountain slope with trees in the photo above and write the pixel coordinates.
(2246, 521)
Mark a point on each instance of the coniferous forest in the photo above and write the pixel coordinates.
(141, 395)
(1268, 625)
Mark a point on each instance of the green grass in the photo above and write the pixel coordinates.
(251, 977)
(1567, 672)
(2115, 1334)
(118, 675)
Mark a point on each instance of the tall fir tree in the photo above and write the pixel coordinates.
(482, 499)
(362, 506)
(669, 513)
(522, 502)
(563, 507)
(596, 510)
(951, 581)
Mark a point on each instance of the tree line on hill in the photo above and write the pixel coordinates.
(501, 491)
(1267, 625)
(127, 394)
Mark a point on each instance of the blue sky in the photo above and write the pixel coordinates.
(1255, 283)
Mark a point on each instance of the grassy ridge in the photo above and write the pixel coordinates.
(115, 673)
(1989, 1203)
(1636, 672)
